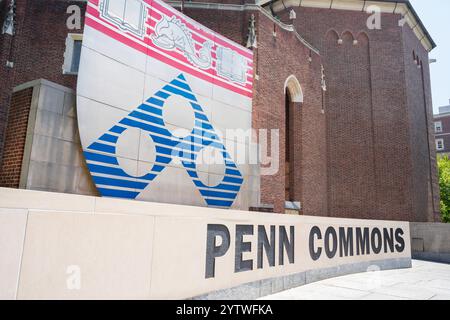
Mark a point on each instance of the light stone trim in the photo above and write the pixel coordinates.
(266, 287)
(36, 85)
(359, 5)
(68, 53)
(295, 89)
(52, 159)
(43, 82)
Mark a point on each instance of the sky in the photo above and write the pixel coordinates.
(435, 14)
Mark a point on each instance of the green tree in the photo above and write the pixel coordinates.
(444, 184)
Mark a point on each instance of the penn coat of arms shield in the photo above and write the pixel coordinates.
(156, 93)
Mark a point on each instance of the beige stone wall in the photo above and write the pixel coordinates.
(50, 243)
(431, 241)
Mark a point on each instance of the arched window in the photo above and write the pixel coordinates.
(293, 99)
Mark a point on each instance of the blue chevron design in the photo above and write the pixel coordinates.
(112, 181)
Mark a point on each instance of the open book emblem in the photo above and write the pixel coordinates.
(128, 15)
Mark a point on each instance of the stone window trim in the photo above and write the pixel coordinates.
(438, 127)
(440, 144)
(69, 57)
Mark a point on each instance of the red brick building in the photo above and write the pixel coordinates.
(362, 148)
(442, 130)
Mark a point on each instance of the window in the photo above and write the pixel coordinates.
(73, 53)
(440, 144)
(438, 127)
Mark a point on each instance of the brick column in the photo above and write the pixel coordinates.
(15, 136)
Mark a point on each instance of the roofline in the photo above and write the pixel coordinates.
(265, 3)
(416, 15)
(239, 7)
(441, 115)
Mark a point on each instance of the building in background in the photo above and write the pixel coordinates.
(442, 130)
(353, 105)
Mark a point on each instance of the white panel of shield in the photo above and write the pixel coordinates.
(157, 93)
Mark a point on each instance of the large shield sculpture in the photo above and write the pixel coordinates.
(156, 91)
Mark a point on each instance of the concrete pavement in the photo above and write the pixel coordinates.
(424, 281)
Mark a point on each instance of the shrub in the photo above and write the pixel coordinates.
(444, 184)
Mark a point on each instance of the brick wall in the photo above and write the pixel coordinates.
(420, 114)
(445, 134)
(378, 155)
(231, 24)
(274, 65)
(37, 49)
(5, 46)
(351, 163)
(15, 137)
(445, 123)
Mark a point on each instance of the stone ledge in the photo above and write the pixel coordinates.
(262, 288)
(432, 256)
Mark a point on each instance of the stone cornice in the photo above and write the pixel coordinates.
(402, 7)
(245, 7)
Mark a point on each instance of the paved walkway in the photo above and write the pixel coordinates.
(425, 280)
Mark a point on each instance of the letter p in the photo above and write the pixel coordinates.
(213, 250)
